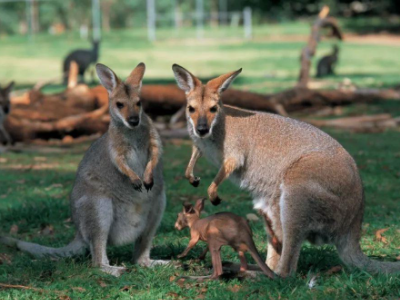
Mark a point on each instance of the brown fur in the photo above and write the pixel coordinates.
(218, 230)
(303, 182)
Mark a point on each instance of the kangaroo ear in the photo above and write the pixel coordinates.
(199, 205)
(136, 76)
(188, 208)
(222, 82)
(9, 87)
(186, 80)
(107, 77)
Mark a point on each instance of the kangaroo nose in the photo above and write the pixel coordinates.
(202, 129)
(6, 110)
(133, 120)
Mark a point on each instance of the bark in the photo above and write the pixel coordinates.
(81, 110)
(374, 123)
(322, 21)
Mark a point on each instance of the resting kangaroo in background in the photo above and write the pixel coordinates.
(218, 230)
(327, 63)
(5, 106)
(303, 182)
(108, 203)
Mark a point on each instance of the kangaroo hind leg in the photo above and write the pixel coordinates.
(293, 219)
(96, 216)
(141, 253)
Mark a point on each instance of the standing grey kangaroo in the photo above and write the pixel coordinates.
(303, 182)
(108, 201)
(5, 106)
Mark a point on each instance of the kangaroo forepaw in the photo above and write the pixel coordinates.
(148, 185)
(216, 200)
(137, 185)
(195, 181)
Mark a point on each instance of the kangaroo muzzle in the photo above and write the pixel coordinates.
(6, 110)
(133, 121)
(202, 127)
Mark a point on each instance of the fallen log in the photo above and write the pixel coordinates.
(299, 98)
(86, 112)
(373, 123)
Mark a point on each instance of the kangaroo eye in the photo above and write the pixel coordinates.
(214, 109)
(120, 105)
(191, 109)
(139, 103)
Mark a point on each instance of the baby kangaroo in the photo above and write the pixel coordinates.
(108, 202)
(303, 182)
(219, 230)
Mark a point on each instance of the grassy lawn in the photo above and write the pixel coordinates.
(270, 61)
(34, 196)
(35, 184)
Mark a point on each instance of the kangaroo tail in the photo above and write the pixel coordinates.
(256, 256)
(76, 247)
(351, 254)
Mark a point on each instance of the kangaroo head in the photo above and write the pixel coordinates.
(189, 214)
(124, 97)
(5, 98)
(203, 101)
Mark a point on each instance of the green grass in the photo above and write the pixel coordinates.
(270, 61)
(33, 197)
(35, 184)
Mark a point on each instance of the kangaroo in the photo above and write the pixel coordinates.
(218, 230)
(303, 182)
(108, 202)
(327, 63)
(5, 107)
(83, 57)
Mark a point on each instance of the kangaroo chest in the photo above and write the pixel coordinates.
(210, 151)
(137, 158)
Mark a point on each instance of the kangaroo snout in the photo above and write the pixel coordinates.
(203, 130)
(202, 127)
(133, 121)
(6, 110)
(177, 226)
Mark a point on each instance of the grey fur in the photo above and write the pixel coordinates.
(106, 206)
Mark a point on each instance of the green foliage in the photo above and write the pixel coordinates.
(132, 13)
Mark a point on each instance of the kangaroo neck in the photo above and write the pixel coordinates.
(95, 52)
(193, 221)
(119, 132)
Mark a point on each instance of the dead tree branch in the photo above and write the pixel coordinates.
(322, 21)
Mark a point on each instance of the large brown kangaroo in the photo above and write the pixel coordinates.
(303, 182)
